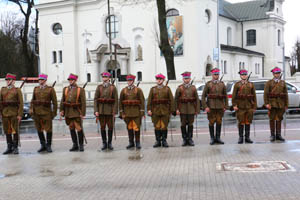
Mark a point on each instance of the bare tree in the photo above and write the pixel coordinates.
(295, 56)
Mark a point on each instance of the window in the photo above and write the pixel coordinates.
(259, 85)
(60, 59)
(279, 37)
(201, 88)
(240, 66)
(88, 77)
(54, 59)
(139, 76)
(207, 16)
(257, 70)
(225, 67)
(172, 12)
(243, 67)
(229, 36)
(251, 37)
(114, 23)
(57, 28)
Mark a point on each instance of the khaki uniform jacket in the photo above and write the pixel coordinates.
(137, 106)
(42, 101)
(276, 94)
(106, 100)
(244, 96)
(161, 95)
(71, 97)
(11, 102)
(187, 100)
(214, 95)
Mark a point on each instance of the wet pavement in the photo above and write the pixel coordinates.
(164, 173)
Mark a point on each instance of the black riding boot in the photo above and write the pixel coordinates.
(49, 142)
(278, 131)
(137, 139)
(184, 136)
(15, 143)
(190, 136)
(247, 134)
(9, 141)
(272, 129)
(131, 139)
(212, 135)
(104, 140)
(241, 134)
(110, 136)
(158, 135)
(74, 140)
(80, 138)
(218, 134)
(42, 141)
(164, 142)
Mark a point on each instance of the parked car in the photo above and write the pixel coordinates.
(293, 93)
(26, 114)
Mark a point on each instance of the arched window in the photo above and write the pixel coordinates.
(114, 26)
(172, 12)
(279, 37)
(251, 37)
(229, 36)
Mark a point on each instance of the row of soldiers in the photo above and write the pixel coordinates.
(131, 106)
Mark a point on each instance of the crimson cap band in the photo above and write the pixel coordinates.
(276, 70)
(215, 71)
(160, 76)
(10, 76)
(43, 77)
(243, 72)
(186, 75)
(73, 77)
(105, 74)
(130, 77)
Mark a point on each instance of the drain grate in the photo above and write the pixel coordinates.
(256, 166)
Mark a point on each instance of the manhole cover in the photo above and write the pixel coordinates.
(256, 166)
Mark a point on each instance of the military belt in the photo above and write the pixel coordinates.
(10, 103)
(281, 95)
(216, 96)
(245, 96)
(187, 100)
(105, 101)
(161, 101)
(74, 105)
(43, 103)
(131, 102)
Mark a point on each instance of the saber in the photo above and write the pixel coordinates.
(284, 123)
(115, 134)
(19, 122)
(197, 126)
(254, 125)
(171, 129)
(223, 121)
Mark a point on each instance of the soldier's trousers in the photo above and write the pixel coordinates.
(74, 123)
(106, 120)
(244, 116)
(10, 125)
(43, 122)
(187, 119)
(215, 116)
(276, 114)
(133, 123)
(160, 122)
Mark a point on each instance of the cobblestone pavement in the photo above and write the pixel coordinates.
(173, 173)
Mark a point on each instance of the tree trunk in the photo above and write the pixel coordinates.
(164, 41)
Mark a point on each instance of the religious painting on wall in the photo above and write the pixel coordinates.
(175, 34)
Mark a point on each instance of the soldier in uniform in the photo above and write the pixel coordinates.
(132, 109)
(187, 106)
(73, 108)
(105, 108)
(215, 103)
(276, 101)
(43, 108)
(11, 111)
(244, 103)
(160, 106)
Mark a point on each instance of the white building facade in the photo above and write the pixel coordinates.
(74, 39)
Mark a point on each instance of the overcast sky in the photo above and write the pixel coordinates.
(291, 15)
(290, 11)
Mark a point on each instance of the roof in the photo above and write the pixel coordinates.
(240, 50)
(246, 11)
